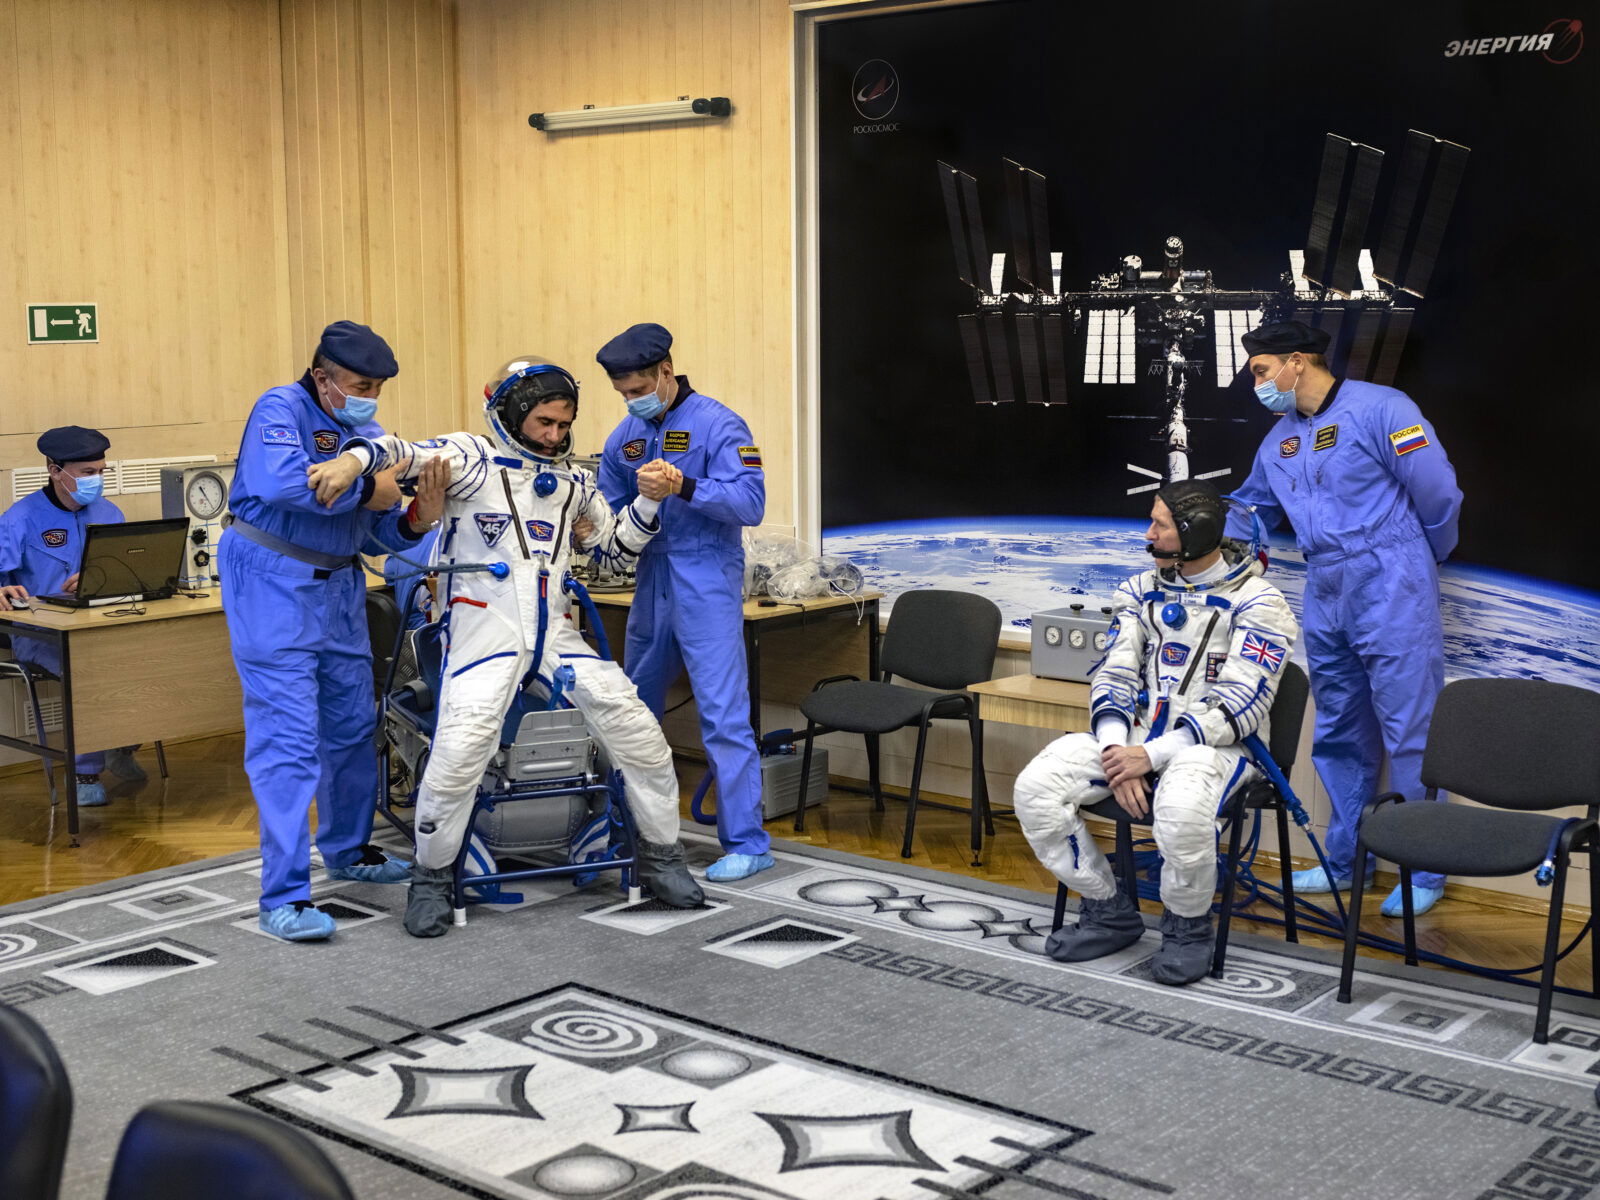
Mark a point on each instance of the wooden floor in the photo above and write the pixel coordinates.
(205, 809)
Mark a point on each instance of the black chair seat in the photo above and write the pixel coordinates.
(35, 1108)
(873, 707)
(1457, 840)
(204, 1151)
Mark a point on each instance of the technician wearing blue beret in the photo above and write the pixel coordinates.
(295, 597)
(688, 611)
(41, 547)
(1360, 474)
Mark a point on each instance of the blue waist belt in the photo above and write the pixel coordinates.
(314, 558)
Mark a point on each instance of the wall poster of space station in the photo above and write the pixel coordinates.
(1044, 227)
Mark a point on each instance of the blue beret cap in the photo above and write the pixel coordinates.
(356, 348)
(73, 443)
(1286, 337)
(634, 349)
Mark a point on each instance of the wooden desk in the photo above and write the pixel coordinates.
(821, 633)
(161, 674)
(1030, 700)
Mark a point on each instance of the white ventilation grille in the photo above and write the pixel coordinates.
(27, 480)
(49, 709)
(123, 477)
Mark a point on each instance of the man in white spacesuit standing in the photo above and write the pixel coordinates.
(514, 498)
(1205, 639)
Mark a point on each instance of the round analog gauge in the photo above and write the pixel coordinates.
(1101, 640)
(206, 495)
(1052, 635)
(1075, 639)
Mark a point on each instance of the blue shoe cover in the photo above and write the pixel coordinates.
(298, 921)
(1315, 881)
(374, 866)
(92, 795)
(1422, 899)
(738, 866)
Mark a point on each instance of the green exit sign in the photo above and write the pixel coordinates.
(63, 323)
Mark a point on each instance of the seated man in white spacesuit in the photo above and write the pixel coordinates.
(1205, 640)
(514, 498)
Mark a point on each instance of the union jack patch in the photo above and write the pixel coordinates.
(1257, 649)
(750, 456)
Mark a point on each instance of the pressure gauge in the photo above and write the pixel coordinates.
(1052, 635)
(206, 495)
(1102, 640)
(1075, 639)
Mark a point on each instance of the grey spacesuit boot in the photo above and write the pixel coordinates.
(663, 874)
(1104, 927)
(429, 902)
(1186, 947)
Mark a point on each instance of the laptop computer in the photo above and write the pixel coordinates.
(134, 560)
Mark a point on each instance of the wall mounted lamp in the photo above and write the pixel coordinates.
(590, 117)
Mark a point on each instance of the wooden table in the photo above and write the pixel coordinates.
(1030, 700)
(821, 633)
(163, 673)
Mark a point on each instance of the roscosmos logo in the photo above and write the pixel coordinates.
(875, 89)
(1559, 42)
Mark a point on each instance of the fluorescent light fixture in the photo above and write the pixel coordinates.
(589, 117)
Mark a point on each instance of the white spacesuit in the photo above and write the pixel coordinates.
(509, 503)
(1207, 650)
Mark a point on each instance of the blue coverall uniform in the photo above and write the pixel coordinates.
(41, 544)
(299, 635)
(1374, 505)
(688, 609)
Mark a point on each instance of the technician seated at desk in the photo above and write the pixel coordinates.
(41, 545)
(1204, 637)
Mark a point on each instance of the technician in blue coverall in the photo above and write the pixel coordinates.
(1360, 474)
(688, 608)
(295, 597)
(41, 545)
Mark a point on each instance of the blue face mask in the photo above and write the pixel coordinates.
(646, 408)
(357, 410)
(90, 488)
(1275, 401)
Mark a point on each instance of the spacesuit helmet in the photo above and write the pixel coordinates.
(515, 390)
(1198, 512)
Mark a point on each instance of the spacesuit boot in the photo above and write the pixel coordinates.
(1104, 927)
(429, 902)
(664, 874)
(1186, 947)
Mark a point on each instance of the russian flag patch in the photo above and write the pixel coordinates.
(750, 456)
(1407, 440)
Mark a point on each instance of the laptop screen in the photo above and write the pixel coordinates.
(134, 558)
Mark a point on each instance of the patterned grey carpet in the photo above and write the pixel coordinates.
(832, 1029)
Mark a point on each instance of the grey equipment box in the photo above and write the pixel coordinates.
(1067, 642)
(780, 781)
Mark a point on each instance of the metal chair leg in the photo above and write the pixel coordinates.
(1231, 875)
(805, 776)
(1125, 868)
(916, 786)
(1358, 882)
(161, 760)
(1291, 932)
(975, 728)
(981, 775)
(1552, 947)
(1409, 917)
(874, 776)
(1594, 912)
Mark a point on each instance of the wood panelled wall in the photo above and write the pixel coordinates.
(373, 233)
(141, 155)
(569, 238)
